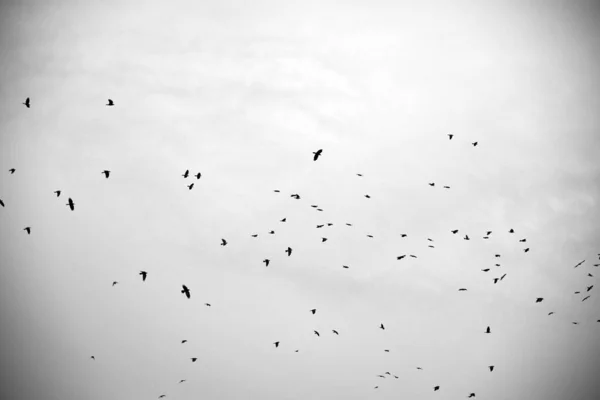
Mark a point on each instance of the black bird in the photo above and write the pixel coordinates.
(323, 240)
(497, 265)
(485, 270)
(462, 290)
(289, 251)
(367, 196)
(381, 326)
(496, 280)
(207, 304)
(590, 288)
(585, 298)
(489, 233)
(523, 240)
(551, 312)
(114, 283)
(266, 261)
(511, 231)
(143, 274)
(198, 175)
(1, 203)
(455, 231)
(283, 220)
(329, 224)
(110, 103)
(186, 173)
(93, 358)
(345, 266)
(314, 310)
(474, 144)
(526, 250)
(28, 230)
(190, 186)
(223, 242)
(271, 232)
(317, 154)
(161, 396)
(488, 330)
(320, 226)
(575, 323)
(316, 333)
(401, 257)
(314, 206)
(183, 341)
(471, 395)
(276, 344)
(491, 367)
(57, 192)
(590, 275)
(387, 351)
(71, 204)
(106, 173)
(497, 256)
(181, 381)
(435, 388)
(446, 187)
(358, 174)
(413, 256)
(185, 291)
(26, 102)
(255, 235)
(450, 136)
(486, 237)
(12, 170)
(577, 292)
(296, 196)
(467, 237)
(276, 190)
(334, 331)
(502, 277)
(432, 184)
(539, 299)
(403, 235)
(395, 376)
(370, 236)
(194, 359)
(420, 368)
(579, 264)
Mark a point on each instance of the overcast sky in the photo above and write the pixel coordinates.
(245, 92)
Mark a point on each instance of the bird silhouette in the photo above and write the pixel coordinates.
(276, 344)
(589, 288)
(186, 173)
(403, 235)
(489, 233)
(181, 381)
(194, 359)
(198, 175)
(497, 255)
(316, 333)
(585, 298)
(71, 204)
(575, 323)
(420, 368)
(455, 231)
(271, 232)
(27, 229)
(57, 192)
(551, 312)
(523, 240)
(27, 103)
(381, 326)
(358, 174)
(432, 184)
(491, 367)
(183, 341)
(314, 206)
(370, 236)
(578, 264)
(314, 310)
(320, 226)
(296, 196)
(471, 395)
(106, 173)
(144, 274)
(450, 136)
(93, 358)
(345, 266)
(387, 351)
(289, 251)
(185, 291)
(266, 261)
(334, 331)
(323, 240)
(329, 224)
(1, 203)
(488, 330)
(485, 270)
(502, 277)
(539, 299)
(436, 388)
(467, 237)
(276, 190)
(255, 235)
(190, 186)
(590, 275)
(12, 170)
(223, 242)
(161, 396)
(486, 237)
(367, 196)
(511, 231)
(446, 187)
(526, 250)
(474, 144)
(317, 154)
(413, 256)
(110, 103)
(462, 290)
(283, 220)
(114, 283)
(496, 280)
(207, 304)
(401, 257)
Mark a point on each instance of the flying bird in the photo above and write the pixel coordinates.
(276, 190)
(358, 174)
(316, 333)
(539, 299)
(71, 204)
(485, 270)
(403, 235)
(526, 250)
(1, 203)
(455, 231)
(387, 351)
(491, 367)
(467, 237)
(446, 187)
(496, 280)
(266, 261)
(207, 304)
(28, 230)
(585, 298)
(296, 196)
(523, 240)
(186, 173)
(474, 144)
(110, 103)
(450, 136)
(181, 381)
(413, 256)
(578, 264)
(334, 331)
(432, 184)
(489, 233)
(106, 173)
(314, 310)
(93, 358)
(471, 395)
(289, 251)
(317, 154)
(57, 192)
(276, 344)
(590, 288)
(462, 290)
(161, 396)
(345, 266)
(183, 341)
(320, 226)
(367, 196)
(223, 242)
(143, 274)
(185, 291)
(502, 277)
(190, 186)
(401, 257)
(551, 312)
(381, 326)
(323, 240)
(488, 330)
(497, 256)
(271, 232)
(198, 175)
(194, 359)
(255, 235)
(27, 102)
(436, 388)
(370, 236)
(283, 220)
(511, 231)
(114, 283)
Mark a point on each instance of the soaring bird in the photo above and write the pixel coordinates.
(114, 283)
(1, 203)
(432, 184)
(474, 144)
(370, 236)
(162, 396)
(183, 341)
(334, 331)
(57, 192)
(446, 187)
(143, 274)
(585, 298)
(12, 170)
(320, 226)
(435, 388)
(276, 344)
(255, 235)
(110, 103)
(71, 204)
(93, 358)
(276, 190)
(314, 310)
(539, 299)
(181, 381)
(488, 330)
(575, 323)
(358, 174)
(455, 231)
(329, 224)
(381, 326)
(367, 196)
(296, 196)
(289, 251)
(489, 233)
(190, 186)
(207, 304)
(185, 291)
(462, 289)
(523, 240)
(485, 269)
(26, 102)
(387, 351)
(323, 240)
(198, 175)
(345, 266)
(317, 154)
(271, 232)
(316, 333)
(551, 312)
(186, 173)
(526, 250)
(511, 231)
(403, 235)
(412, 255)
(223, 242)
(106, 173)
(401, 257)
(497, 255)
(450, 136)
(194, 359)
(578, 264)
(266, 261)
(491, 367)
(420, 368)
(589, 288)
(283, 220)
(502, 277)
(27, 229)
(486, 237)
(496, 280)
(467, 237)
(471, 395)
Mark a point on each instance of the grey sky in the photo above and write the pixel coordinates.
(244, 93)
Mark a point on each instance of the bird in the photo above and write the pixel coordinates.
(433, 247)
(271, 232)
(488, 330)
(403, 235)
(316, 333)
(450, 136)
(358, 174)
(283, 220)
(551, 312)
(93, 358)
(486, 237)
(27, 102)
(334, 331)
(589, 288)
(183, 341)
(289, 251)
(345, 266)
(207, 304)
(497, 255)
(114, 283)
(255, 235)
(429, 240)
(401, 257)
(186, 173)
(496, 280)
(143, 274)
(370, 236)
(314, 206)
(181, 381)
(190, 186)
(578, 264)
(590, 275)
(489, 233)
(467, 237)
(320, 226)
(432, 184)
(367, 196)
(387, 373)
(575, 323)
(194, 359)
(276, 344)
(381, 326)
(1, 203)
(462, 289)
(454, 231)
(110, 103)
(266, 261)
(57, 192)
(502, 277)
(526, 250)
(276, 190)
(314, 310)
(413, 256)
(296, 196)
(198, 175)
(539, 299)
(585, 298)
(420, 368)
(387, 351)
(185, 291)
(471, 395)
(511, 231)
(27, 229)
(446, 187)
(71, 204)
(12, 170)
(436, 388)
(161, 396)
(106, 173)
(523, 240)
(485, 270)
(491, 367)
(474, 144)
(323, 240)
(223, 242)
(381, 376)
(317, 154)
(329, 224)
(395, 376)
